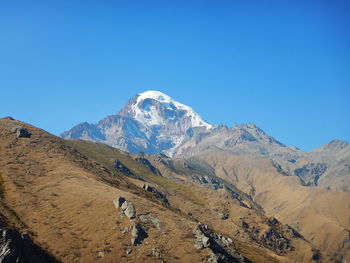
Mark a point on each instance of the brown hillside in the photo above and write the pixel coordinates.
(321, 216)
(62, 196)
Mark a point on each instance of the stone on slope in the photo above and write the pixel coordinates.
(129, 209)
(138, 234)
(22, 133)
(118, 201)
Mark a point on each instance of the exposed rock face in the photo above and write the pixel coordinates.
(311, 172)
(18, 248)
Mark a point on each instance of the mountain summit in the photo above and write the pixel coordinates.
(154, 108)
(150, 122)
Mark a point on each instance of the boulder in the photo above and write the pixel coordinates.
(22, 133)
(138, 234)
(128, 209)
(118, 202)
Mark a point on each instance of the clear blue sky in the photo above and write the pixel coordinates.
(284, 65)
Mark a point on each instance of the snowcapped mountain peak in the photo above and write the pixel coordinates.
(154, 108)
(150, 122)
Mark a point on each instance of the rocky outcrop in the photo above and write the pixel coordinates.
(129, 209)
(118, 201)
(156, 193)
(216, 184)
(119, 166)
(210, 182)
(148, 164)
(276, 238)
(221, 247)
(311, 173)
(18, 248)
(122, 168)
(126, 207)
(22, 132)
(138, 231)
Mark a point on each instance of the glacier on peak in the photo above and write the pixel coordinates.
(144, 110)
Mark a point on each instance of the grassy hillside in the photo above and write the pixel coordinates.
(62, 192)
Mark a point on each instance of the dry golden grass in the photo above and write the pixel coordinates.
(321, 216)
(63, 196)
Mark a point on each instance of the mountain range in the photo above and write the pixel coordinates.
(152, 122)
(157, 183)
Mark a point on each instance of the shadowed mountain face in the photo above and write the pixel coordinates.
(152, 122)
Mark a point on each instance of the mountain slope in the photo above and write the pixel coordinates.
(327, 167)
(321, 216)
(179, 171)
(62, 194)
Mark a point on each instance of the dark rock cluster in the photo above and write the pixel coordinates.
(222, 248)
(156, 193)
